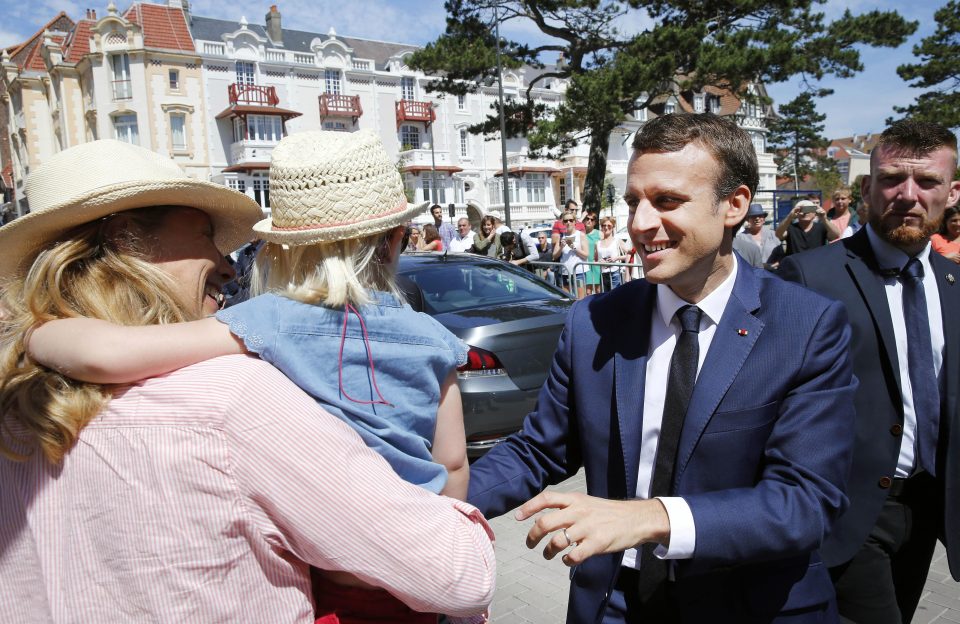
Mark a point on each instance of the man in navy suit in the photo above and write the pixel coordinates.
(903, 302)
(710, 405)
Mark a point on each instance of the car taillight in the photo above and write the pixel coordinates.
(480, 363)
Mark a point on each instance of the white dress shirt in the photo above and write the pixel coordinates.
(664, 330)
(461, 244)
(889, 257)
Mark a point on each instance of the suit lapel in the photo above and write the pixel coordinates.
(735, 336)
(865, 272)
(629, 380)
(949, 304)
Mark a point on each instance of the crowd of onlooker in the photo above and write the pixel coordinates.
(581, 251)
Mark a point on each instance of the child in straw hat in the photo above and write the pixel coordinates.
(331, 319)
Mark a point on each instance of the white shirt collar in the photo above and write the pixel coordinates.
(890, 257)
(712, 305)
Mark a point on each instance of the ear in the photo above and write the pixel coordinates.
(735, 206)
(953, 196)
(864, 187)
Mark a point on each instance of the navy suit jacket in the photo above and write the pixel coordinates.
(847, 271)
(763, 456)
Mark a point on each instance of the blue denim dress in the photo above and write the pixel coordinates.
(382, 376)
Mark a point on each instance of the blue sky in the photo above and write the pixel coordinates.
(859, 104)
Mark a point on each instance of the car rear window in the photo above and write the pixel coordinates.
(459, 286)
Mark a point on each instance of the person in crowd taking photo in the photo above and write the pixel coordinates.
(211, 469)
(903, 302)
(806, 227)
(712, 476)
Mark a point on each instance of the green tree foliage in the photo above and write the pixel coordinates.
(611, 73)
(796, 136)
(938, 69)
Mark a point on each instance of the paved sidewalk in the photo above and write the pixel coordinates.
(532, 590)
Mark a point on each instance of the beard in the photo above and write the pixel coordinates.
(903, 235)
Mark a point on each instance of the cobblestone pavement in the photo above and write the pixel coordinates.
(532, 590)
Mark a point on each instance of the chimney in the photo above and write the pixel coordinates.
(273, 26)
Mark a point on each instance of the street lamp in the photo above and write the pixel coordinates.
(503, 124)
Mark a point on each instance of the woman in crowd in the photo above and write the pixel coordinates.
(246, 458)
(610, 249)
(487, 242)
(412, 237)
(431, 238)
(571, 252)
(593, 237)
(946, 242)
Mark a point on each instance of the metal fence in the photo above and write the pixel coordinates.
(558, 273)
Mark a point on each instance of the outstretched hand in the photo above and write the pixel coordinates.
(594, 526)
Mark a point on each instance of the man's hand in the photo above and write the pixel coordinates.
(596, 525)
(822, 214)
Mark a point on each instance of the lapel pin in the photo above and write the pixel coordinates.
(951, 279)
(742, 332)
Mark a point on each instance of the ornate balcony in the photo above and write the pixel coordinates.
(336, 105)
(411, 110)
(252, 95)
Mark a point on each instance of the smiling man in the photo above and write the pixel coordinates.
(696, 401)
(903, 303)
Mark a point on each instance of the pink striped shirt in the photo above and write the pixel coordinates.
(202, 496)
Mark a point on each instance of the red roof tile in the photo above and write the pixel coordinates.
(27, 54)
(163, 27)
(78, 43)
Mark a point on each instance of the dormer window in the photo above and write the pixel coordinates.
(698, 105)
(669, 108)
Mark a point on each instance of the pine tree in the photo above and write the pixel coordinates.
(729, 43)
(796, 136)
(939, 70)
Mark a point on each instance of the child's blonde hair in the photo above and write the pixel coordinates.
(331, 274)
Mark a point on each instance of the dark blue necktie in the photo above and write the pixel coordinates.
(923, 378)
(680, 383)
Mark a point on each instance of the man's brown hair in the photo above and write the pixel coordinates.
(727, 142)
(918, 138)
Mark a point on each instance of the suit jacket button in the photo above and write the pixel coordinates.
(885, 482)
(896, 430)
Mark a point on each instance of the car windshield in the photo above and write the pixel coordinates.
(456, 286)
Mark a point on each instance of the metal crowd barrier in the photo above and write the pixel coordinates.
(555, 272)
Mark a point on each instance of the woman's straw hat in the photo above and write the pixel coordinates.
(99, 178)
(329, 186)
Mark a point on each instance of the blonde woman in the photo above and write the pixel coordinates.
(331, 319)
(610, 249)
(224, 471)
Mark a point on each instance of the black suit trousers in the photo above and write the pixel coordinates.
(883, 583)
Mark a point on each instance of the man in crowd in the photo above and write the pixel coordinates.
(811, 230)
(445, 230)
(710, 405)
(903, 301)
(462, 241)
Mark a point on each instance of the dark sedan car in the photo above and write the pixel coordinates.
(511, 321)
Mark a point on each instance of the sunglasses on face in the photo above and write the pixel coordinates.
(569, 220)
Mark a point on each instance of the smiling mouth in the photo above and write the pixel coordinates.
(659, 246)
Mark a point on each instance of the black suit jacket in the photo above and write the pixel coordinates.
(847, 271)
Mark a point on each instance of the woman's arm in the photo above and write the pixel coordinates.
(98, 351)
(583, 249)
(449, 440)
